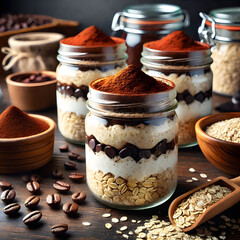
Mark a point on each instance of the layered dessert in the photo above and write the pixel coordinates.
(85, 61)
(186, 62)
(131, 155)
(194, 96)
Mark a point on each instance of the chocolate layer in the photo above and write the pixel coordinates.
(103, 68)
(130, 150)
(72, 90)
(189, 98)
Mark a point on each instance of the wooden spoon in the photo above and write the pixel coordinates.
(223, 204)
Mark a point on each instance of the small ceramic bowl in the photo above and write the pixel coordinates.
(27, 153)
(32, 96)
(222, 154)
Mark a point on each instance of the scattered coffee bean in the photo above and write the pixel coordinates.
(70, 209)
(63, 148)
(57, 174)
(70, 165)
(73, 156)
(81, 158)
(36, 178)
(76, 177)
(59, 229)
(53, 200)
(32, 218)
(79, 197)
(8, 196)
(5, 185)
(26, 178)
(32, 202)
(33, 187)
(61, 186)
(12, 209)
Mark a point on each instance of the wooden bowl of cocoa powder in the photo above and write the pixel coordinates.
(24, 145)
(222, 153)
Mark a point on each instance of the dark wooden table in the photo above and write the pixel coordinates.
(91, 211)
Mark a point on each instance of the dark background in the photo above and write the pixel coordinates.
(101, 12)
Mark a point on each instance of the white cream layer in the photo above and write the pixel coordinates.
(194, 110)
(127, 167)
(71, 104)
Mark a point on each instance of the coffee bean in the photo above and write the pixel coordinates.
(73, 156)
(5, 185)
(53, 200)
(59, 229)
(61, 186)
(80, 158)
(76, 177)
(57, 174)
(70, 165)
(26, 178)
(32, 202)
(33, 187)
(92, 144)
(130, 151)
(79, 197)
(8, 195)
(69, 90)
(99, 147)
(70, 209)
(110, 151)
(63, 148)
(36, 177)
(12, 209)
(32, 218)
(78, 93)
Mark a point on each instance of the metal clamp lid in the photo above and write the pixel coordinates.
(205, 34)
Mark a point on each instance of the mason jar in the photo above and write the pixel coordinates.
(192, 75)
(131, 148)
(77, 68)
(224, 27)
(147, 22)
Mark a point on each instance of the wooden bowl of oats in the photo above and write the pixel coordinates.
(218, 136)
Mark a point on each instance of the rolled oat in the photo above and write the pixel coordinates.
(192, 207)
(227, 130)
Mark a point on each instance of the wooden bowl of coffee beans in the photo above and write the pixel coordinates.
(218, 136)
(32, 91)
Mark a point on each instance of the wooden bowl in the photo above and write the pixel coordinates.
(222, 154)
(32, 96)
(27, 153)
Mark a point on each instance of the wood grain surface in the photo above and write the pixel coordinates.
(91, 211)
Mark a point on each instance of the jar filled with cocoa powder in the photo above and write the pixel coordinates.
(186, 62)
(131, 140)
(83, 58)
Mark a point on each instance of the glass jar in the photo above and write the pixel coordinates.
(192, 75)
(147, 22)
(225, 24)
(131, 148)
(78, 67)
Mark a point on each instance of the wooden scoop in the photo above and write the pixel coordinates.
(223, 204)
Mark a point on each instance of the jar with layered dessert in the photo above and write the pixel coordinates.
(222, 28)
(190, 71)
(78, 66)
(131, 145)
(147, 22)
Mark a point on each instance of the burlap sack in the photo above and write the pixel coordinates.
(32, 52)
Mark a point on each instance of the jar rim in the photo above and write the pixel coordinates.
(161, 101)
